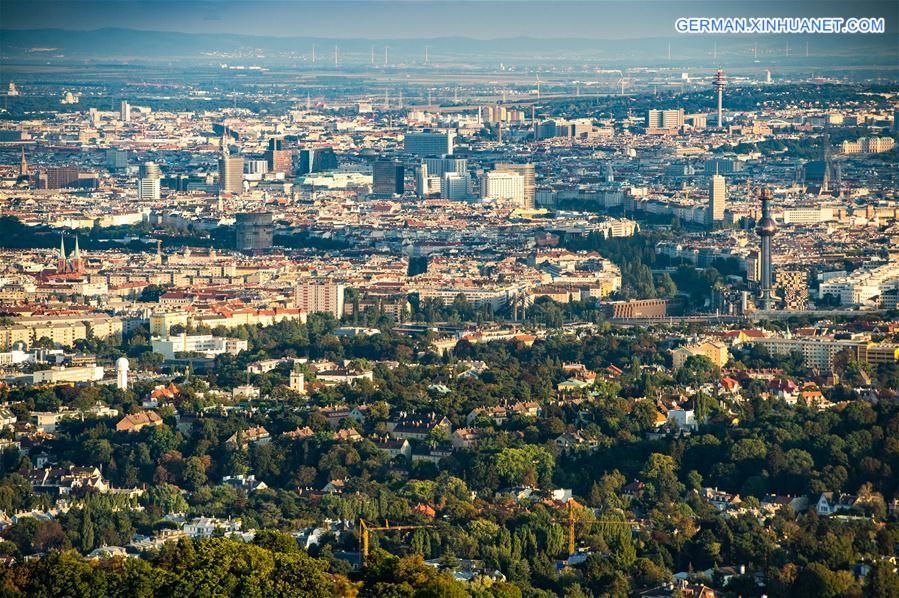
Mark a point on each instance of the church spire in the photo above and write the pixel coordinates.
(76, 262)
(23, 166)
(61, 258)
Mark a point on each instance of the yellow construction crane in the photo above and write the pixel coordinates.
(365, 529)
(571, 521)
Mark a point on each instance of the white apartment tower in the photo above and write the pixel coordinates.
(717, 200)
(503, 187)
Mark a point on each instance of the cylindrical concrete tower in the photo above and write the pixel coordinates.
(719, 83)
(121, 373)
(766, 229)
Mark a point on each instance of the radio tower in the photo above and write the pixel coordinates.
(719, 84)
(766, 229)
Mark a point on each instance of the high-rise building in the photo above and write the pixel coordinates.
(321, 159)
(125, 111)
(455, 186)
(530, 179)
(429, 143)
(388, 178)
(148, 182)
(766, 229)
(320, 297)
(230, 174)
(723, 166)
(440, 166)
(60, 177)
(664, 120)
(279, 158)
(504, 187)
(116, 159)
(256, 168)
(717, 200)
(719, 83)
(254, 231)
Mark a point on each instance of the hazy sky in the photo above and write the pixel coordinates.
(411, 18)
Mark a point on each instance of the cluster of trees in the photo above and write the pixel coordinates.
(773, 448)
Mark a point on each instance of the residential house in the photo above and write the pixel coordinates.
(255, 435)
(206, 527)
(73, 480)
(394, 447)
(418, 427)
(723, 501)
(247, 483)
(347, 435)
(830, 503)
(138, 421)
(464, 437)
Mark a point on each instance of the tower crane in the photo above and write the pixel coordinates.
(571, 521)
(365, 530)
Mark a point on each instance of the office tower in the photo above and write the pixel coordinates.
(148, 182)
(454, 186)
(428, 143)
(714, 214)
(320, 297)
(426, 184)
(279, 158)
(608, 173)
(256, 168)
(116, 159)
(530, 179)
(440, 166)
(719, 84)
(664, 120)
(254, 231)
(319, 159)
(125, 111)
(387, 178)
(723, 166)
(503, 187)
(65, 176)
(766, 229)
(230, 174)
(421, 180)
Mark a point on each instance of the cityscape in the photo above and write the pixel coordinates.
(409, 298)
